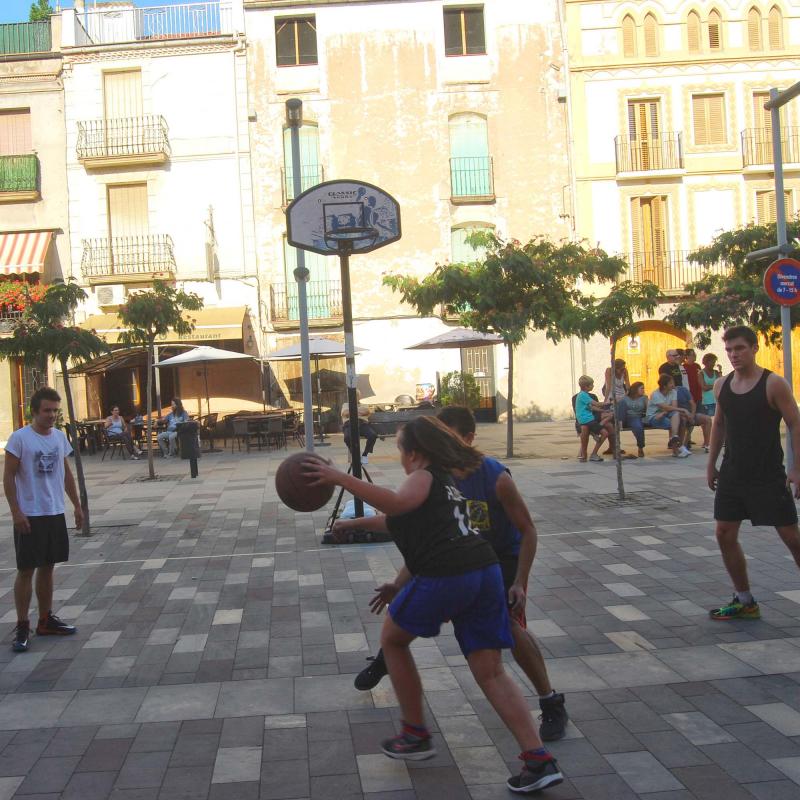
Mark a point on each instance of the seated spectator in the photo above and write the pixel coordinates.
(593, 417)
(664, 412)
(117, 429)
(632, 411)
(708, 377)
(168, 439)
(364, 429)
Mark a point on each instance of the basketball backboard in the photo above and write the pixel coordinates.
(324, 216)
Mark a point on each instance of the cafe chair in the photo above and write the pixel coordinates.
(208, 429)
(274, 433)
(113, 444)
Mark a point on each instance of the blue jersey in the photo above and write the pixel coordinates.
(486, 513)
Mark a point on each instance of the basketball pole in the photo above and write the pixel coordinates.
(345, 247)
(294, 119)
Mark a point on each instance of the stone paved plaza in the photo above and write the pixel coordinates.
(218, 640)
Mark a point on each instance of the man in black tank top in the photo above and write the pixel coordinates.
(751, 483)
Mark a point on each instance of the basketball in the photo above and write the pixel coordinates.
(293, 487)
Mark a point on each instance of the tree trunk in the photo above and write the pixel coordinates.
(76, 449)
(150, 465)
(617, 451)
(510, 412)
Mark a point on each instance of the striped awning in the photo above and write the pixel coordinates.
(23, 252)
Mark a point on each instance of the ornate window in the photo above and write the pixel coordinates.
(754, 29)
(628, 36)
(708, 116)
(775, 24)
(650, 36)
(693, 32)
(714, 30)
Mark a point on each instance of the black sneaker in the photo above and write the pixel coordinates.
(371, 676)
(554, 718)
(538, 773)
(409, 748)
(21, 634)
(53, 626)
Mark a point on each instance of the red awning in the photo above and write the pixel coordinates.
(21, 253)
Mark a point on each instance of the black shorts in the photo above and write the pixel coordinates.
(763, 504)
(594, 427)
(47, 542)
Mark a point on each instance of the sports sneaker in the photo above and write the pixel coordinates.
(595, 458)
(21, 634)
(681, 452)
(371, 676)
(53, 626)
(538, 773)
(736, 610)
(409, 748)
(554, 718)
(365, 459)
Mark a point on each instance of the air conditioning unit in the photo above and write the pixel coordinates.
(113, 295)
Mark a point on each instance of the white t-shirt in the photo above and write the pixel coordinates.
(40, 477)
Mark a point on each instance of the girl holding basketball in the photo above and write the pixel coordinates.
(450, 574)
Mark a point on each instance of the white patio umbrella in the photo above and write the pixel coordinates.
(203, 355)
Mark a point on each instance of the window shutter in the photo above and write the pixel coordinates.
(714, 30)
(127, 210)
(716, 119)
(762, 207)
(628, 37)
(775, 29)
(754, 29)
(636, 236)
(699, 120)
(762, 118)
(788, 204)
(650, 36)
(15, 133)
(659, 216)
(693, 32)
(122, 94)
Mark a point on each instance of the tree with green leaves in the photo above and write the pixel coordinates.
(40, 11)
(44, 332)
(147, 316)
(718, 301)
(514, 288)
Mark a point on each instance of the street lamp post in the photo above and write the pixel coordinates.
(294, 119)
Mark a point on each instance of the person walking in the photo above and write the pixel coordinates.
(36, 474)
(499, 514)
(751, 483)
(450, 574)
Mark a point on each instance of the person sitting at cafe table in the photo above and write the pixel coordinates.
(365, 430)
(117, 430)
(168, 438)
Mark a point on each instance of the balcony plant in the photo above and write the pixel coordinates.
(17, 295)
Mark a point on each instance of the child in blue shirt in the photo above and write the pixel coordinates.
(590, 416)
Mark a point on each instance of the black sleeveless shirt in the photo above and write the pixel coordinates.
(753, 451)
(436, 538)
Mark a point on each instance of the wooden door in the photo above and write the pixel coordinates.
(649, 239)
(646, 352)
(127, 210)
(643, 130)
(15, 133)
(122, 112)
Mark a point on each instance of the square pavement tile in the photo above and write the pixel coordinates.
(631, 669)
(381, 774)
(464, 732)
(630, 641)
(269, 696)
(643, 773)
(9, 785)
(103, 707)
(783, 718)
(698, 728)
(481, 765)
(705, 663)
(770, 656)
(790, 767)
(190, 643)
(328, 693)
(626, 613)
(26, 711)
(237, 765)
(228, 616)
(181, 702)
(101, 639)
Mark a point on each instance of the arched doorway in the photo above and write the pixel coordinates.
(771, 357)
(645, 352)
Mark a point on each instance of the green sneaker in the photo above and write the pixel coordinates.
(736, 610)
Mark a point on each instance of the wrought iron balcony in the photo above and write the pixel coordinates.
(9, 320)
(310, 175)
(324, 301)
(646, 155)
(122, 258)
(18, 38)
(757, 146)
(106, 142)
(471, 179)
(127, 23)
(670, 270)
(19, 178)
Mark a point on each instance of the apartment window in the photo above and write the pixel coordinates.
(296, 41)
(650, 36)
(714, 30)
(775, 23)
(754, 29)
(693, 32)
(461, 251)
(708, 115)
(128, 214)
(470, 162)
(649, 239)
(15, 132)
(765, 206)
(310, 167)
(463, 31)
(628, 36)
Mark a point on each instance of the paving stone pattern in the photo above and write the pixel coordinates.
(218, 640)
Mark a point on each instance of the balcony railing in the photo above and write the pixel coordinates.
(17, 38)
(310, 175)
(9, 320)
(324, 301)
(19, 173)
(126, 23)
(757, 146)
(127, 255)
(645, 155)
(471, 178)
(670, 270)
(126, 139)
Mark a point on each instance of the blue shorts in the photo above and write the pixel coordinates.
(684, 397)
(474, 602)
(709, 409)
(663, 423)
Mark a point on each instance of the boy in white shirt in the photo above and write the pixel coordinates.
(35, 476)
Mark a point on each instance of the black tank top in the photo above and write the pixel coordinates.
(753, 451)
(436, 538)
